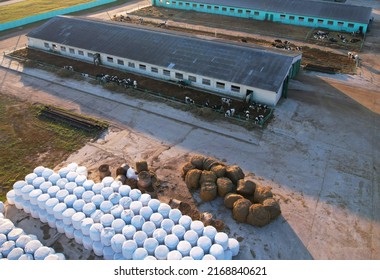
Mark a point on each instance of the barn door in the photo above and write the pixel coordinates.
(284, 93)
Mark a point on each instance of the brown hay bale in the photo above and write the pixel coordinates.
(104, 171)
(186, 168)
(125, 166)
(207, 176)
(206, 218)
(209, 162)
(218, 224)
(258, 215)
(195, 214)
(219, 170)
(262, 193)
(185, 208)
(192, 179)
(131, 182)
(208, 191)
(235, 173)
(230, 199)
(246, 188)
(120, 171)
(141, 166)
(121, 178)
(272, 207)
(240, 210)
(145, 181)
(225, 186)
(197, 161)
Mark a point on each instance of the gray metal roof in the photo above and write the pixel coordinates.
(256, 67)
(317, 9)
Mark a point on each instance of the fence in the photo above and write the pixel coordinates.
(47, 15)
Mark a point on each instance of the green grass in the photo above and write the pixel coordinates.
(32, 7)
(27, 141)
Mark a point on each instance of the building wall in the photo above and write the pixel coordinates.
(263, 15)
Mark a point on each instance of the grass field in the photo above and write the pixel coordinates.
(27, 141)
(32, 7)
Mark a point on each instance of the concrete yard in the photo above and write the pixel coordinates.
(320, 154)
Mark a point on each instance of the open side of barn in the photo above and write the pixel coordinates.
(233, 70)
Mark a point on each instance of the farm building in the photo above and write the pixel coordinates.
(233, 70)
(316, 14)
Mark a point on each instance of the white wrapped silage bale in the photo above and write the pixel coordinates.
(53, 178)
(29, 178)
(72, 166)
(127, 215)
(145, 198)
(33, 196)
(106, 206)
(87, 185)
(161, 252)
(124, 190)
(217, 251)
(118, 225)
(66, 216)
(41, 253)
(205, 243)
(15, 254)
(150, 258)
(69, 231)
(87, 242)
(15, 233)
(175, 215)
(187, 258)
(80, 179)
(106, 192)
(17, 186)
(97, 215)
(61, 183)
(210, 232)
(125, 202)
(25, 191)
(179, 231)
(185, 221)
(97, 200)
(117, 242)
(70, 186)
(18, 200)
(82, 170)
(150, 244)
(43, 215)
(167, 225)
(51, 257)
(52, 191)
(159, 234)
(26, 257)
(87, 196)
(146, 212)
(38, 170)
(78, 236)
(148, 227)
(11, 197)
(114, 198)
(95, 231)
(184, 247)
(115, 186)
(108, 253)
(33, 236)
(106, 235)
(97, 247)
(69, 200)
(22, 241)
(63, 172)
(61, 194)
(138, 221)
(157, 219)
(171, 241)
(47, 173)
(106, 220)
(34, 211)
(227, 255)
(118, 257)
(97, 188)
(78, 205)
(174, 255)
(198, 227)
(7, 247)
(191, 236)
(154, 204)
(139, 254)
(135, 194)
(221, 238)
(71, 176)
(107, 181)
(234, 246)
(128, 248)
(60, 226)
(88, 209)
(164, 210)
(37, 182)
(197, 253)
(77, 219)
(209, 257)
(128, 231)
(32, 246)
(140, 237)
(78, 191)
(3, 238)
(61, 256)
(116, 211)
(58, 210)
(131, 173)
(26, 205)
(85, 226)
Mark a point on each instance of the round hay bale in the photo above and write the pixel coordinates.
(185, 208)
(235, 173)
(104, 171)
(192, 179)
(246, 188)
(207, 219)
(120, 171)
(262, 193)
(240, 210)
(219, 170)
(194, 214)
(218, 224)
(230, 199)
(197, 161)
(145, 180)
(131, 182)
(121, 178)
(272, 207)
(258, 215)
(125, 166)
(207, 177)
(209, 162)
(141, 166)
(186, 168)
(225, 186)
(208, 191)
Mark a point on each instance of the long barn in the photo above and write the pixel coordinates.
(233, 70)
(315, 14)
